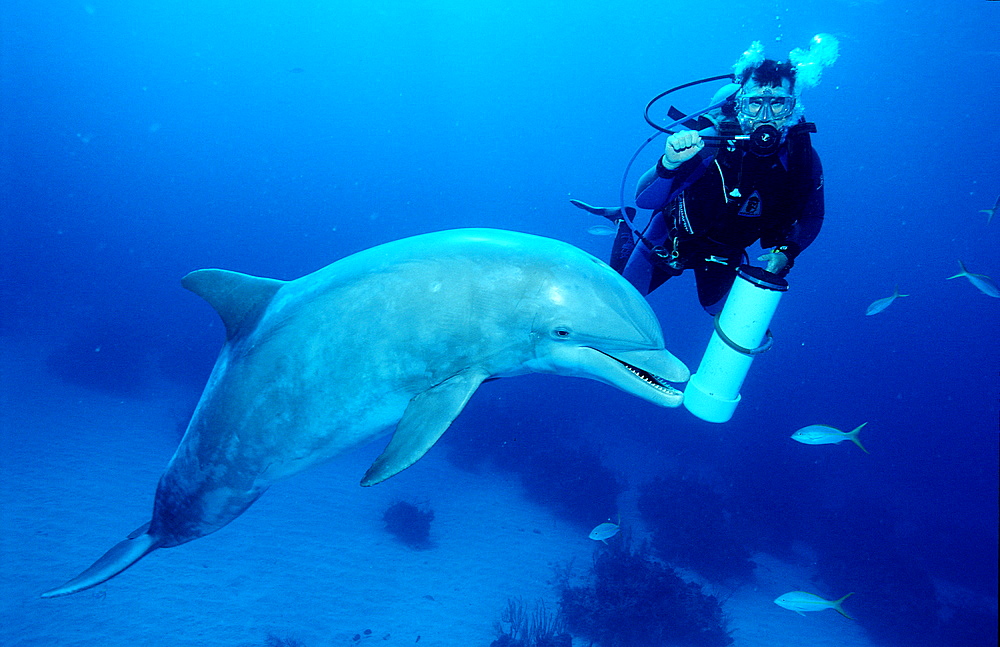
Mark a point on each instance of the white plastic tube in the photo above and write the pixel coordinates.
(714, 390)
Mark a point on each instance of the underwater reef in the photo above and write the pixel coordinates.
(112, 360)
(572, 482)
(862, 549)
(273, 640)
(409, 524)
(565, 477)
(632, 600)
(539, 628)
(692, 526)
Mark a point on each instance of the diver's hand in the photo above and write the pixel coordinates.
(681, 147)
(776, 261)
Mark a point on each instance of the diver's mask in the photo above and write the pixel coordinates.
(763, 117)
(765, 107)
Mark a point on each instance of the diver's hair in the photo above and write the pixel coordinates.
(769, 74)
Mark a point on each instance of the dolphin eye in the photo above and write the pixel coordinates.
(561, 332)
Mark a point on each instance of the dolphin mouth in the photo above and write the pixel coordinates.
(652, 379)
(659, 383)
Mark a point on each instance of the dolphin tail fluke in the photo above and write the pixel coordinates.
(116, 560)
(853, 436)
(839, 609)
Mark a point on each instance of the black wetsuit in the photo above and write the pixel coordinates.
(710, 209)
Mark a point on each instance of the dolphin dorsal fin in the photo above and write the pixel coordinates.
(238, 298)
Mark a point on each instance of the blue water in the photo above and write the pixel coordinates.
(144, 140)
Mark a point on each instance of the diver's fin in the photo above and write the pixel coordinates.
(427, 416)
(116, 560)
(238, 298)
(614, 214)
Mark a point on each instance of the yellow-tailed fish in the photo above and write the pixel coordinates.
(991, 212)
(881, 304)
(982, 282)
(826, 435)
(601, 230)
(605, 531)
(799, 601)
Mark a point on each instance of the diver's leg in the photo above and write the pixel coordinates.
(641, 269)
(714, 281)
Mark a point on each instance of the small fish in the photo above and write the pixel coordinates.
(991, 212)
(824, 435)
(881, 304)
(605, 531)
(601, 230)
(982, 282)
(799, 601)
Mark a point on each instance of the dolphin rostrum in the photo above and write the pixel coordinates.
(400, 334)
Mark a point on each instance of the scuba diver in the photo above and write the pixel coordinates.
(759, 179)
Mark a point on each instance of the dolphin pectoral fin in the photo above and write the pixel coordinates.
(116, 560)
(428, 415)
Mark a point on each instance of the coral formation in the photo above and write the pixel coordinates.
(409, 524)
(112, 359)
(900, 605)
(569, 479)
(634, 601)
(572, 482)
(518, 628)
(692, 527)
(274, 641)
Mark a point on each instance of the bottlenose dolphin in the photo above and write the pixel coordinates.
(403, 333)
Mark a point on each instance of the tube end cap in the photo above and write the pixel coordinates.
(708, 407)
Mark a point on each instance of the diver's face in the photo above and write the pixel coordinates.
(756, 105)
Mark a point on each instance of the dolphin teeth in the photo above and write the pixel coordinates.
(651, 379)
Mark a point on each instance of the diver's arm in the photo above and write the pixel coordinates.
(677, 168)
(804, 229)
(659, 185)
(655, 187)
(810, 221)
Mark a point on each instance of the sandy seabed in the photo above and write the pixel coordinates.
(310, 561)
